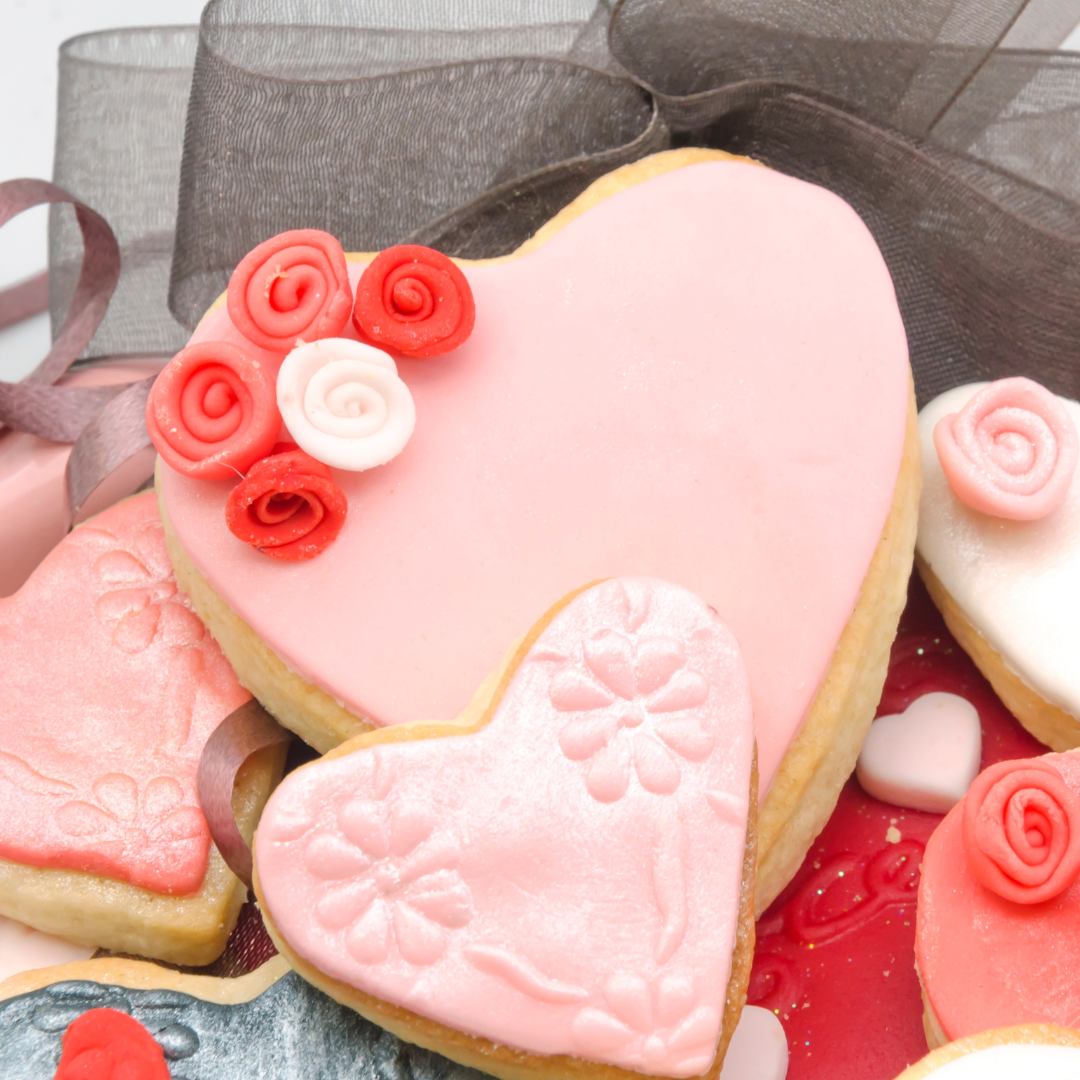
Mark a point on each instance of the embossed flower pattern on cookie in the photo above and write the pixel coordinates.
(392, 882)
(140, 601)
(650, 1023)
(633, 693)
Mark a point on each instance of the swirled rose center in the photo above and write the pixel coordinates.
(219, 400)
(210, 403)
(1017, 446)
(410, 298)
(300, 289)
(275, 507)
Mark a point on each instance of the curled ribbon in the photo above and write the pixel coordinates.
(104, 422)
(243, 732)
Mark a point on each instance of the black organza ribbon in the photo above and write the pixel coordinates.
(466, 125)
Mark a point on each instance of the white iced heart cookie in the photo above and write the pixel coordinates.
(925, 757)
(1009, 589)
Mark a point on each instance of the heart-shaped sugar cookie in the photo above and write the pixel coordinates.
(925, 757)
(568, 878)
(701, 378)
(1009, 589)
(112, 687)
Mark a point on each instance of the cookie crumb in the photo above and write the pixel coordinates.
(892, 835)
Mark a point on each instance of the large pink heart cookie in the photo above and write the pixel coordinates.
(567, 879)
(703, 378)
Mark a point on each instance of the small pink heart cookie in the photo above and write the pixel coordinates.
(567, 880)
(112, 687)
(925, 757)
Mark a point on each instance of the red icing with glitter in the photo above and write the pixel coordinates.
(294, 285)
(287, 506)
(414, 301)
(106, 1044)
(212, 412)
(835, 955)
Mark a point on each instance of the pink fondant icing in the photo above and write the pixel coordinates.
(111, 688)
(32, 482)
(513, 886)
(746, 445)
(985, 961)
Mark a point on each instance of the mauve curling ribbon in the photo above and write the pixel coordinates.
(236, 738)
(104, 422)
(34, 405)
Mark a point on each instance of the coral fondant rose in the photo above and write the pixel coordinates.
(212, 412)
(415, 301)
(1011, 451)
(287, 506)
(1021, 830)
(343, 402)
(294, 285)
(106, 1044)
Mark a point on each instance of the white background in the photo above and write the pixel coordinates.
(34, 30)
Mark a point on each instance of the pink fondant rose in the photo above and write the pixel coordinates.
(1011, 451)
(294, 285)
(212, 413)
(1021, 831)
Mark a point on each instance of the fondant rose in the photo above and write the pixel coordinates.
(294, 285)
(1011, 451)
(415, 301)
(106, 1044)
(212, 412)
(343, 402)
(287, 506)
(1021, 830)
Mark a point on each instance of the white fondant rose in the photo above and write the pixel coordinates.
(344, 404)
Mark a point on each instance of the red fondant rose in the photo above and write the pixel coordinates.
(1021, 831)
(1011, 451)
(213, 411)
(105, 1044)
(287, 505)
(294, 285)
(415, 301)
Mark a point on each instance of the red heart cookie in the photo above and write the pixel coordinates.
(702, 378)
(565, 879)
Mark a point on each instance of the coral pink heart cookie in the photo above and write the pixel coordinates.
(697, 372)
(998, 933)
(925, 757)
(564, 886)
(111, 688)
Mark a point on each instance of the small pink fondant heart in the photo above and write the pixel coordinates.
(111, 688)
(758, 1050)
(565, 880)
(924, 758)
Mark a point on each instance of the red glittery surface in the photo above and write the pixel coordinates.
(835, 953)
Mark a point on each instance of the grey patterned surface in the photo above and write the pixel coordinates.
(290, 1032)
